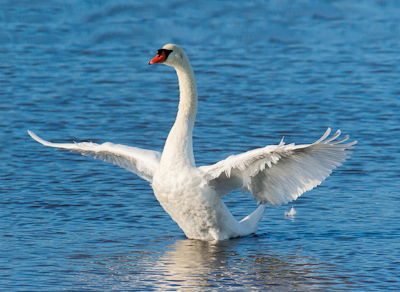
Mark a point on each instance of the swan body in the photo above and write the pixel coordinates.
(192, 195)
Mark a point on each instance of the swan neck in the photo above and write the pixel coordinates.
(188, 94)
(178, 150)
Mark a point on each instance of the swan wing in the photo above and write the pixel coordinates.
(279, 174)
(143, 163)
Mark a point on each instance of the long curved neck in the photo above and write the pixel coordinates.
(178, 149)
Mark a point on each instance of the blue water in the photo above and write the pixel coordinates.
(77, 70)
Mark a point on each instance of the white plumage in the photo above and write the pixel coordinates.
(273, 175)
(141, 162)
(280, 174)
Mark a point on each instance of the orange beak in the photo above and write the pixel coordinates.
(158, 59)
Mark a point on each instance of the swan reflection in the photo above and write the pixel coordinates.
(192, 264)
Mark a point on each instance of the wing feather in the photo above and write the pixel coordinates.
(280, 174)
(142, 162)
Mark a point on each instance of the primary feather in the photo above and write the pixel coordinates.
(143, 163)
(279, 174)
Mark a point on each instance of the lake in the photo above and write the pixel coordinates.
(77, 71)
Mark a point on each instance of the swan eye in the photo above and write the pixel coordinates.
(165, 51)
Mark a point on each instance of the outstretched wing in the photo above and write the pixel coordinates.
(279, 174)
(142, 162)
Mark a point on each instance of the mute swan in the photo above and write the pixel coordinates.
(192, 195)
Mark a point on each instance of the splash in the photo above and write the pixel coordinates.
(291, 213)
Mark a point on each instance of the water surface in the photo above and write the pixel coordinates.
(77, 71)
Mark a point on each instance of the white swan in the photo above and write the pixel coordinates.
(192, 195)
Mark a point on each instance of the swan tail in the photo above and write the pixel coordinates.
(249, 223)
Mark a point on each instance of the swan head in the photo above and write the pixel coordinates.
(170, 55)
